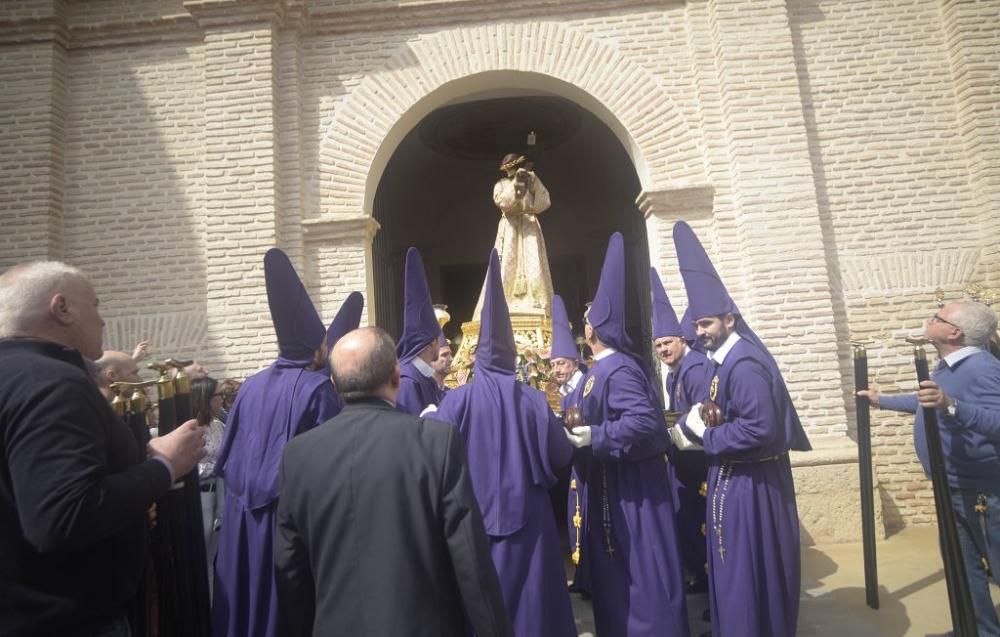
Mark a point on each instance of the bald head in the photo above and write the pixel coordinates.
(52, 301)
(364, 365)
(117, 366)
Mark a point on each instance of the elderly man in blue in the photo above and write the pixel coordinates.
(965, 390)
(631, 534)
(747, 426)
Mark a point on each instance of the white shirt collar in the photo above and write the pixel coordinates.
(719, 356)
(423, 367)
(608, 351)
(959, 355)
(574, 380)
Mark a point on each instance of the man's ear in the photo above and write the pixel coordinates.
(395, 376)
(730, 320)
(59, 309)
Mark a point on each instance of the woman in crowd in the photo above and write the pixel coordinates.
(206, 402)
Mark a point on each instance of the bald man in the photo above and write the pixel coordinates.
(113, 367)
(396, 520)
(74, 484)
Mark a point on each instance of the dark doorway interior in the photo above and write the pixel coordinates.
(436, 194)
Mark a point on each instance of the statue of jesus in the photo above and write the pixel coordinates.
(521, 197)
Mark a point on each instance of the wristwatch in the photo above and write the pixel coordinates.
(952, 408)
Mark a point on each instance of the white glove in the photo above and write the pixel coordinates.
(681, 441)
(428, 410)
(579, 437)
(695, 423)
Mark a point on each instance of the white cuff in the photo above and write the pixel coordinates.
(681, 441)
(429, 409)
(694, 421)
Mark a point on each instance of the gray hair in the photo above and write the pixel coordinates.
(25, 292)
(364, 376)
(977, 320)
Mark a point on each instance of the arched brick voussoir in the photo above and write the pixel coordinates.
(426, 73)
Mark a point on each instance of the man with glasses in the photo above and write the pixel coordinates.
(965, 391)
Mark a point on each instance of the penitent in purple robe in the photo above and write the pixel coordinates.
(272, 407)
(753, 523)
(416, 391)
(753, 557)
(631, 534)
(689, 468)
(514, 444)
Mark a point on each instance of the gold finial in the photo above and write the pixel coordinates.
(442, 315)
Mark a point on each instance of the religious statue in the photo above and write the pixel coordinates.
(521, 197)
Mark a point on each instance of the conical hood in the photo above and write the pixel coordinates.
(689, 332)
(495, 350)
(420, 326)
(665, 321)
(348, 318)
(707, 295)
(297, 325)
(607, 312)
(563, 343)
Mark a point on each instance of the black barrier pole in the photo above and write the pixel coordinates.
(963, 617)
(865, 474)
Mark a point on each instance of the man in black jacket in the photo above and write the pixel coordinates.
(74, 484)
(379, 532)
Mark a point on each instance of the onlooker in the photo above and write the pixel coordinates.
(74, 485)
(206, 403)
(965, 391)
(442, 366)
(112, 367)
(394, 538)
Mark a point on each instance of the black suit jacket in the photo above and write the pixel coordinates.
(379, 532)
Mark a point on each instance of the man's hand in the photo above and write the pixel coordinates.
(711, 415)
(182, 448)
(151, 516)
(579, 436)
(872, 395)
(930, 396)
(141, 351)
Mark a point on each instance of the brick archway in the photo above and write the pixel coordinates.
(425, 74)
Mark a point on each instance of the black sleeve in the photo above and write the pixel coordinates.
(292, 574)
(469, 547)
(66, 495)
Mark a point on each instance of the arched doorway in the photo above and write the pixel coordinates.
(436, 194)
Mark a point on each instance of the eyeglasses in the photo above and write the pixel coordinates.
(938, 319)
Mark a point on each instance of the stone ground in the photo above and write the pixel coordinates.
(912, 595)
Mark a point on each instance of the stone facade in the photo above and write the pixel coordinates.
(821, 148)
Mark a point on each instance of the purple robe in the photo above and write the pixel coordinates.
(272, 407)
(689, 468)
(515, 443)
(416, 391)
(631, 534)
(754, 567)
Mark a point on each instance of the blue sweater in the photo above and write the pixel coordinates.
(971, 439)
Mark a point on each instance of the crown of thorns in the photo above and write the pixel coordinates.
(514, 163)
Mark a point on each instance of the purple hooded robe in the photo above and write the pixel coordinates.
(271, 407)
(753, 523)
(420, 328)
(635, 563)
(515, 443)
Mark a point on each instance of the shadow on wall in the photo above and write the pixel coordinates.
(134, 191)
